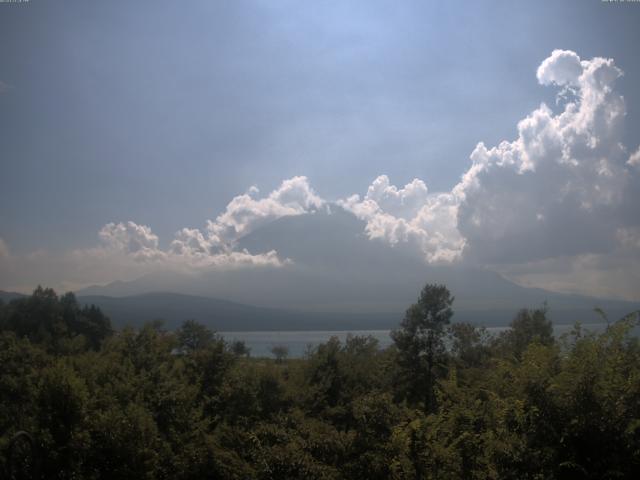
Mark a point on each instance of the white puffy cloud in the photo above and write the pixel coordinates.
(559, 188)
(409, 215)
(634, 158)
(131, 239)
(192, 249)
(566, 187)
(190, 241)
(215, 247)
(245, 213)
(563, 67)
(403, 202)
(128, 250)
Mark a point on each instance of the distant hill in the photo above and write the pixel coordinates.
(222, 315)
(8, 296)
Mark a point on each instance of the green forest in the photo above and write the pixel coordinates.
(445, 401)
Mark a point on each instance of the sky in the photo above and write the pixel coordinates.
(144, 135)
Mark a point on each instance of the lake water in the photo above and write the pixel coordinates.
(298, 342)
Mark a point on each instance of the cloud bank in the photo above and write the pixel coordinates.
(244, 214)
(565, 188)
(558, 189)
(216, 246)
(128, 250)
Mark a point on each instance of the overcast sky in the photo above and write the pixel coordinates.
(160, 113)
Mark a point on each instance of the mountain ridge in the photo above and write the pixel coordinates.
(225, 315)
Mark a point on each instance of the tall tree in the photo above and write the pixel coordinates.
(57, 322)
(193, 335)
(420, 343)
(528, 326)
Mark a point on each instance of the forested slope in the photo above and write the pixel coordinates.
(152, 403)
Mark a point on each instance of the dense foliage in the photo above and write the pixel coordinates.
(446, 401)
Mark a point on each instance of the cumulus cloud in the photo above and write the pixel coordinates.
(563, 67)
(189, 250)
(634, 158)
(215, 247)
(128, 250)
(403, 202)
(566, 187)
(245, 213)
(559, 188)
(409, 215)
(132, 239)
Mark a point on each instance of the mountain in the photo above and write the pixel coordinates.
(8, 296)
(116, 289)
(223, 315)
(337, 272)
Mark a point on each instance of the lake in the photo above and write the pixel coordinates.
(298, 342)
